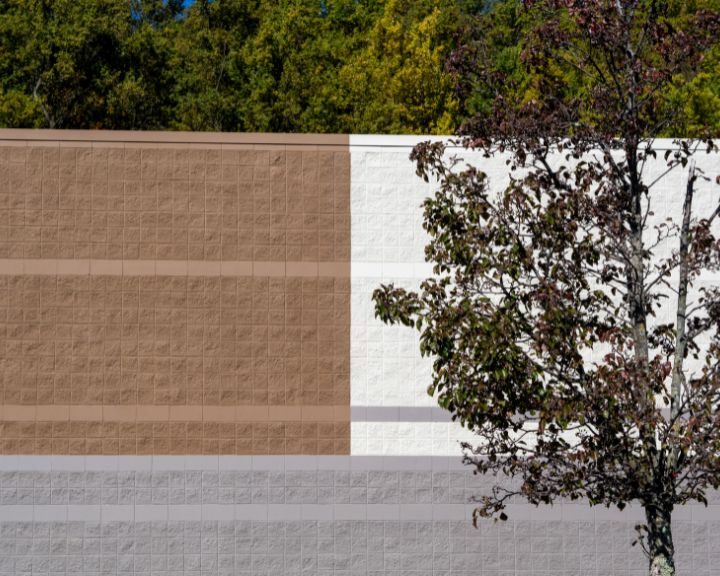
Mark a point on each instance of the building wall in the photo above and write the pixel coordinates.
(161, 296)
(193, 380)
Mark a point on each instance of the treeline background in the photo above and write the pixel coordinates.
(345, 66)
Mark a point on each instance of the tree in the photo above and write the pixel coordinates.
(544, 314)
(83, 63)
(51, 52)
(496, 37)
(236, 65)
(500, 32)
(292, 63)
(395, 82)
(211, 85)
(138, 91)
(698, 95)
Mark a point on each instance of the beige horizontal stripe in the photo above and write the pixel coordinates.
(149, 413)
(69, 267)
(157, 137)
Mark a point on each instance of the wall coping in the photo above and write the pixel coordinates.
(410, 140)
(170, 137)
(229, 138)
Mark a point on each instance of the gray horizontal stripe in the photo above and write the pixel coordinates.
(219, 463)
(338, 512)
(399, 414)
(240, 512)
(416, 414)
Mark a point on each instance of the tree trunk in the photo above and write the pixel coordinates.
(660, 542)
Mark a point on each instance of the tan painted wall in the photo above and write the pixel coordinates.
(174, 293)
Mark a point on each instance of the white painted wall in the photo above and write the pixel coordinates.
(388, 246)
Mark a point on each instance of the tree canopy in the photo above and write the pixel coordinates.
(346, 66)
(231, 65)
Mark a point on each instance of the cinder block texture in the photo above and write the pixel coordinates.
(321, 521)
(185, 324)
(93, 437)
(166, 201)
(186, 340)
(388, 243)
(174, 294)
(329, 548)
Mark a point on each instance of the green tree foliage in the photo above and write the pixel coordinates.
(495, 38)
(232, 65)
(284, 65)
(294, 62)
(81, 63)
(397, 81)
(696, 97)
(211, 84)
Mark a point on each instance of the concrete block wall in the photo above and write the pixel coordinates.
(174, 294)
(193, 380)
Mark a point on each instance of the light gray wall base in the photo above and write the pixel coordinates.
(349, 516)
(347, 548)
